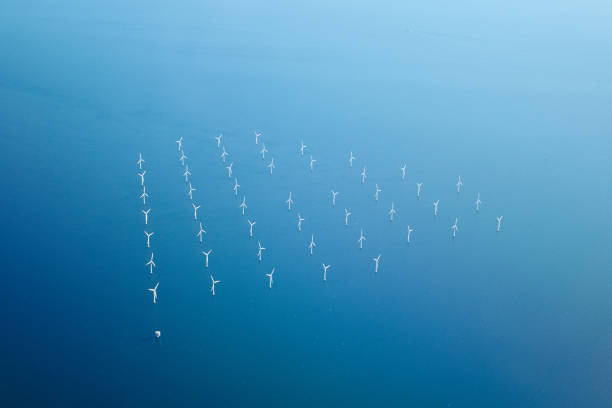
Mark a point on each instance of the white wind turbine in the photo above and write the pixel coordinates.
(271, 166)
(289, 202)
(154, 290)
(312, 244)
(195, 211)
(346, 216)
(334, 194)
(271, 279)
(392, 211)
(206, 254)
(243, 205)
(200, 232)
(236, 186)
(376, 261)
(144, 195)
(140, 161)
(214, 282)
(260, 250)
(361, 239)
(351, 158)
(325, 268)
(149, 235)
(151, 264)
(454, 227)
(146, 214)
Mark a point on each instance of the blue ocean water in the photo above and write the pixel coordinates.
(515, 98)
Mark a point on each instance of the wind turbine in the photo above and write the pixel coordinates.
(187, 173)
(151, 264)
(243, 205)
(302, 147)
(289, 202)
(392, 211)
(140, 161)
(263, 151)
(459, 185)
(236, 185)
(312, 244)
(224, 154)
(454, 227)
(251, 224)
(199, 234)
(346, 215)
(376, 260)
(190, 192)
(271, 166)
(312, 162)
(257, 137)
(229, 170)
(299, 224)
(214, 282)
(259, 250)
(478, 202)
(361, 239)
(499, 220)
(149, 235)
(146, 214)
(182, 158)
(409, 232)
(195, 211)
(180, 144)
(206, 255)
(377, 193)
(144, 195)
(403, 169)
(218, 138)
(269, 275)
(351, 158)
(325, 268)
(141, 175)
(154, 290)
(334, 194)
(363, 175)
(419, 185)
(436, 207)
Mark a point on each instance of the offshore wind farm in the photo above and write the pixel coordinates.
(316, 204)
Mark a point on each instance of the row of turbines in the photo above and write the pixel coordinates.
(201, 231)
(145, 211)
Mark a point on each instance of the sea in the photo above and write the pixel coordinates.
(513, 97)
